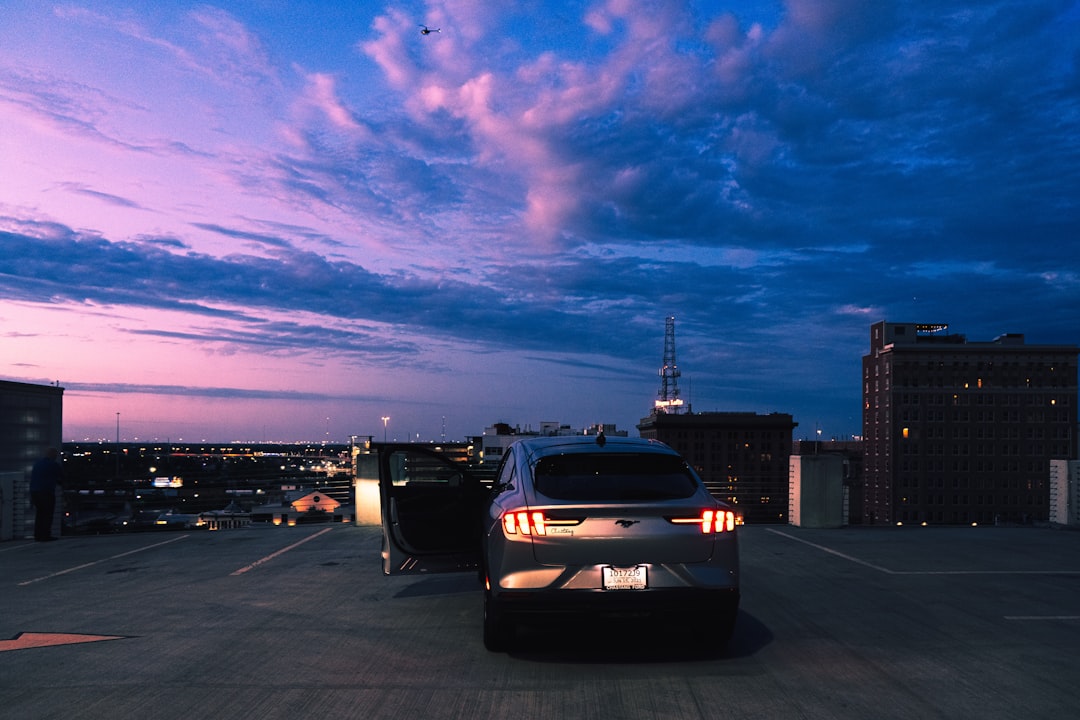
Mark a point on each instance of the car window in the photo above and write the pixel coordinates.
(507, 471)
(602, 477)
(416, 468)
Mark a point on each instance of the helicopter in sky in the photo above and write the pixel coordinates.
(425, 30)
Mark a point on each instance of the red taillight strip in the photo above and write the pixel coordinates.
(524, 522)
(711, 521)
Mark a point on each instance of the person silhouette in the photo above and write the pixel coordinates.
(45, 477)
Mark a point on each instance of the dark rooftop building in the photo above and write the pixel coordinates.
(742, 457)
(31, 421)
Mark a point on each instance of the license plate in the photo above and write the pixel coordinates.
(625, 578)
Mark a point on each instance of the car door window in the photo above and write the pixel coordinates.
(505, 479)
(412, 468)
(433, 506)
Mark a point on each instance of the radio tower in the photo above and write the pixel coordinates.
(668, 398)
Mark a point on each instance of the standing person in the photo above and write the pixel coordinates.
(44, 479)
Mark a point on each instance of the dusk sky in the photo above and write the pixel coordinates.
(274, 220)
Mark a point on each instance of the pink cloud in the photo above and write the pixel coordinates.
(321, 95)
(812, 32)
(389, 50)
(518, 118)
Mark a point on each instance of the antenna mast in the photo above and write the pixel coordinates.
(668, 400)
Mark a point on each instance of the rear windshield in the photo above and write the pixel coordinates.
(605, 477)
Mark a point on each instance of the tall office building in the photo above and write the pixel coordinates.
(741, 456)
(960, 432)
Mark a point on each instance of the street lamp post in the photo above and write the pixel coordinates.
(385, 419)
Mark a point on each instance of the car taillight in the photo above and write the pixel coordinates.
(524, 522)
(711, 521)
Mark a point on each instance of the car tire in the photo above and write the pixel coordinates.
(497, 628)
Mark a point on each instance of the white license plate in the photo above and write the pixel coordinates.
(625, 578)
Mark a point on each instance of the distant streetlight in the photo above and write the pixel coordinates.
(386, 419)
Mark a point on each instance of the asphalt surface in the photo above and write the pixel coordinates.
(299, 622)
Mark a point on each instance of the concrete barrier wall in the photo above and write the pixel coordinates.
(366, 490)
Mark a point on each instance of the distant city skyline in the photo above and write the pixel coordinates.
(286, 222)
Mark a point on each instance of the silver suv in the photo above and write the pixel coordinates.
(578, 525)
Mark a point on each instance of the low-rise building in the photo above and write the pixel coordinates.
(498, 437)
(741, 456)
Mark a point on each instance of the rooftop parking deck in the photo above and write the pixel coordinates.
(275, 622)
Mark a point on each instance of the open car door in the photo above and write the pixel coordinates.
(431, 510)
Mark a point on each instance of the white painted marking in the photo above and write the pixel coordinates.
(9, 546)
(833, 552)
(887, 571)
(259, 562)
(98, 562)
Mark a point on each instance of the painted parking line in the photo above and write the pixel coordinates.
(833, 552)
(283, 550)
(987, 572)
(887, 571)
(98, 562)
(26, 640)
(19, 545)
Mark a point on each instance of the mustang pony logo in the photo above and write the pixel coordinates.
(626, 523)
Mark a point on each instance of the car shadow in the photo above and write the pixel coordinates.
(632, 641)
(450, 584)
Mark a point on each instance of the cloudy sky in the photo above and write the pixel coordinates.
(286, 220)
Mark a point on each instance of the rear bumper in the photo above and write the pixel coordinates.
(690, 602)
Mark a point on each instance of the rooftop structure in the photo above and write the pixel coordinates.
(667, 399)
